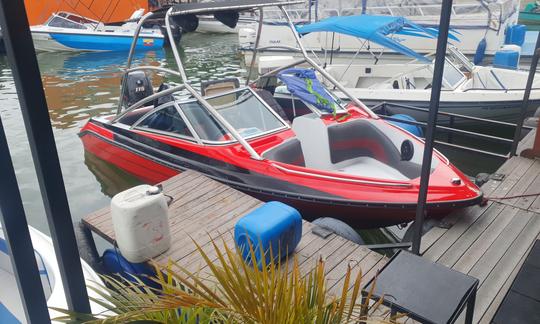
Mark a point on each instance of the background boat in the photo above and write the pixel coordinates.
(479, 26)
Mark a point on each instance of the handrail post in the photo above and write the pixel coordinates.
(21, 54)
(526, 96)
(21, 251)
(442, 41)
(256, 45)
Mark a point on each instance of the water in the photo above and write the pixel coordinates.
(80, 86)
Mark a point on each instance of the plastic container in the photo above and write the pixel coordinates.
(115, 264)
(413, 129)
(273, 225)
(141, 223)
(507, 57)
(515, 35)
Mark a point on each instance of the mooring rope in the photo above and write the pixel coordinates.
(486, 199)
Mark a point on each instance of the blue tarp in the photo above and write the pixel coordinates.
(375, 29)
(303, 83)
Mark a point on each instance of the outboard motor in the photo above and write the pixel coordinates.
(138, 87)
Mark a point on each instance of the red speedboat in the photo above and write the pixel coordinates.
(324, 158)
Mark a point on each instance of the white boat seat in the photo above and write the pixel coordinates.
(313, 136)
(365, 166)
(372, 155)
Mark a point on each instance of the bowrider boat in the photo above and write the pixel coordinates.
(479, 91)
(329, 159)
(65, 31)
(11, 309)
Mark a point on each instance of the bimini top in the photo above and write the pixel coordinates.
(374, 28)
(205, 8)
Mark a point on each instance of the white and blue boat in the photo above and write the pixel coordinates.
(11, 309)
(65, 31)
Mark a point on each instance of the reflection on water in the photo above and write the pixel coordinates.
(111, 178)
(83, 85)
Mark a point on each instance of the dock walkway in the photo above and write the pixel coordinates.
(204, 209)
(488, 242)
(492, 242)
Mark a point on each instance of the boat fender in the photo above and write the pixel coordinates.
(413, 129)
(115, 264)
(87, 247)
(339, 228)
(426, 226)
(480, 52)
(481, 178)
(274, 227)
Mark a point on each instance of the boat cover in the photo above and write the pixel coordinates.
(374, 28)
(303, 83)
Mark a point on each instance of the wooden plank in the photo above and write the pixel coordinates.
(454, 233)
(366, 263)
(496, 302)
(527, 202)
(500, 273)
(201, 234)
(522, 184)
(478, 238)
(491, 257)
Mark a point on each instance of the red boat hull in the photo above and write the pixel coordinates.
(312, 202)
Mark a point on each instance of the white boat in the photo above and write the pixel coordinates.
(472, 20)
(477, 91)
(11, 310)
(65, 31)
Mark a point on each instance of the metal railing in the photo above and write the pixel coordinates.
(450, 128)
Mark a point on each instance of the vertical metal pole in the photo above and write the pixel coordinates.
(256, 45)
(442, 40)
(526, 95)
(23, 62)
(18, 240)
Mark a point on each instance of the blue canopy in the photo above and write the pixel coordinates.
(303, 83)
(374, 28)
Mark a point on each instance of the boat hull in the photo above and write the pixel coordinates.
(11, 309)
(153, 165)
(56, 41)
(507, 111)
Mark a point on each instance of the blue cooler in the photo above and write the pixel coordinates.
(275, 225)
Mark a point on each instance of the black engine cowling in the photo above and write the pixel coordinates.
(137, 87)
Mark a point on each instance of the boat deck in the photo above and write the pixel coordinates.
(492, 242)
(204, 210)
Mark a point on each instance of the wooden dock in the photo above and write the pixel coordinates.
(488, 242)
(492, 242)
(204, 209)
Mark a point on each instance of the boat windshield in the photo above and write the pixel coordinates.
(67, 20)
(452, 76)
(242, 109)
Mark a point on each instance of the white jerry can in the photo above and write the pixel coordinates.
(141, 223)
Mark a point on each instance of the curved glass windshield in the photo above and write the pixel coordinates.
(245, 111)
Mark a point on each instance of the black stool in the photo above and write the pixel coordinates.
(427, 292)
